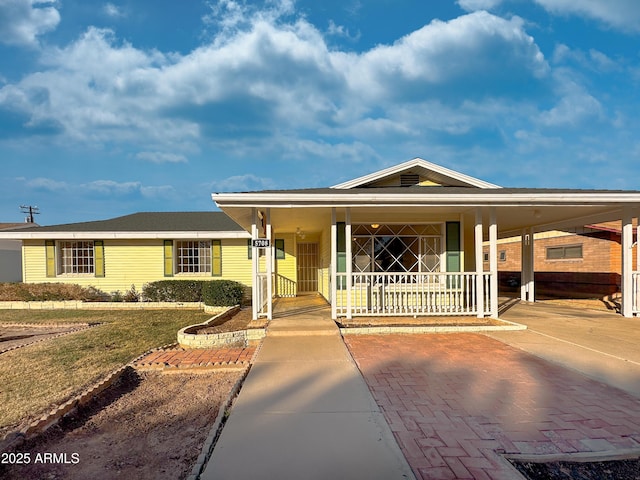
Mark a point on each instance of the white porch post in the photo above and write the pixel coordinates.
(348, 260)
(493, 261)
(270, 252)
(627, 262)
(527, 273)
(254, 265)
(479, 264)
(334, 259)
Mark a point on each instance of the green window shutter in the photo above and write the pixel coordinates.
(280, 255)
(216, 258)
(98, 255)
(453, 247)
(50, 248)
(249, 249)
(168, 258)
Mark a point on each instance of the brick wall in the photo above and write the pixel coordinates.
(597, 273)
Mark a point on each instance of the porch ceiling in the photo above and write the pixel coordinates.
(511, 219)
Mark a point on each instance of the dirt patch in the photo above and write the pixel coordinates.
(17, 336)
(148, 426)
(239, 321)
(610, 470)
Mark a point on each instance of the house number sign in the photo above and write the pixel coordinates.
(261, 242)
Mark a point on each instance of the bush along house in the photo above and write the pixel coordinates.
(406, 240)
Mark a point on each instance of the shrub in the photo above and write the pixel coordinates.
(173, 291)
(222, 293)
(38, 292)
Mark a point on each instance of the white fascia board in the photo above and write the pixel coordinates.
(416, 162)
(359, 199)
(121, 235)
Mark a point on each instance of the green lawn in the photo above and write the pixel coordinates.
(36, 378)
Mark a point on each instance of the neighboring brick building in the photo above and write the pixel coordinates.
(586, 262)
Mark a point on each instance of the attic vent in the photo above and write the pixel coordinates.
(409, 179)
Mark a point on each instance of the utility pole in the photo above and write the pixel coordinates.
(31, 211)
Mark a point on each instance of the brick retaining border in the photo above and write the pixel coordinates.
(188, 340)
(389, 329)
(79, 305)
(216, 429)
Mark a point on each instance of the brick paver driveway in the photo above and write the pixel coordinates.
(455, 401)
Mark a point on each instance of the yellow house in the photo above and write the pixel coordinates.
(406, 240)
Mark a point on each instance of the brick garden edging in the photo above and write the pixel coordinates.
(388, 329)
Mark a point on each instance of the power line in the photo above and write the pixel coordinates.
(31, 211)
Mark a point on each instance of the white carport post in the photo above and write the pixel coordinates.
(479, 264)
(255, 285)
(334, 269)
(627, 262)
(493, 261)
(527, 284)
(270, 253)
(349, 265)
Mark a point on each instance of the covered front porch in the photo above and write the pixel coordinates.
(408, 240)
(427, 262)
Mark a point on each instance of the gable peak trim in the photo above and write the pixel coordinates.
(406, 166)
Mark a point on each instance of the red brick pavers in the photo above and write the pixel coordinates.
(197, 358)
(454, 401)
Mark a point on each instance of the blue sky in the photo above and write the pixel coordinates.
(110, 108)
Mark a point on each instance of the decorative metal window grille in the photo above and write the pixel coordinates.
(76, 258)
(193, 256)
(397, 248)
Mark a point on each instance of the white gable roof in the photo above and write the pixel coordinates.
(438, 174)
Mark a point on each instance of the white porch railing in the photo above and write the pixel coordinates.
(398, 294)
(285, 287)
(635, 293)
(263, 294)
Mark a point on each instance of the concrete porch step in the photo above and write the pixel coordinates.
(302, 326)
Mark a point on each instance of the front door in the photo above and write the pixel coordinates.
(307, 267)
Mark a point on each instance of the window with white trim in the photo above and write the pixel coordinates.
(76, 257)
(565, 252)
(193, 256)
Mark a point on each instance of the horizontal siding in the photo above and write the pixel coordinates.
(135, 262)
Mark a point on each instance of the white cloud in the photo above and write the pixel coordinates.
(575, 105)
(112, 10)
(621, 14)
(473, 5)
(281, 76)
(161, 157)
(22, 21)
(242, 183)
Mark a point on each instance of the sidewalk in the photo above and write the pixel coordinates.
(305, 411)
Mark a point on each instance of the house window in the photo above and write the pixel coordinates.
(193, 256)
(502, 256)
(567, 252)
(76, 257)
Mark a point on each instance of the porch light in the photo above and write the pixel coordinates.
(375, 225)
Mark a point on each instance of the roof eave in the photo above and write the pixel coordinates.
(71, 235)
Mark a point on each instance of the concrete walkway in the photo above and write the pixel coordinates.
(305, 411)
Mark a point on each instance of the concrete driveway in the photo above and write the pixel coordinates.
(603, 345)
